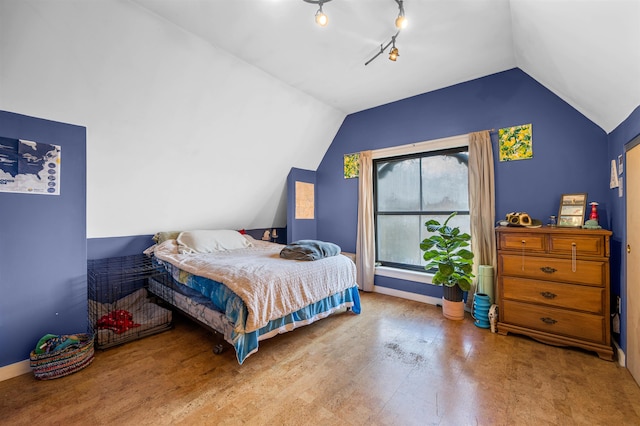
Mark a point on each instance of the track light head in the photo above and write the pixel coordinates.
(393, 54)
(321, 18)
(401, 20)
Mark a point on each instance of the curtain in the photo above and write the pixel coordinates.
(481, 205)
(365, 242)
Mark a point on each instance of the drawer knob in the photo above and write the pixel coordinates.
(548, 269)
(548, 320)
(548, 295)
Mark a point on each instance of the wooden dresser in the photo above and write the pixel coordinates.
(553, 285)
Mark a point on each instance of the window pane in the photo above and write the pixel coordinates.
(445, 185)
(409, 192)
(461, 220)
(399, 239)
(398, 185)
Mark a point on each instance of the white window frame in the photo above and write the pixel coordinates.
(415, 148)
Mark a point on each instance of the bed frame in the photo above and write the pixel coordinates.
(206, 316)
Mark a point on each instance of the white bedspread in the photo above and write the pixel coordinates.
(270, 286)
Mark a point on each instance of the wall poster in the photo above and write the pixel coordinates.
(29, 167)
(305, 200)
(515, 143)
(351, 165)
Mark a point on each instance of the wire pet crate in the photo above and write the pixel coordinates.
(120, 307)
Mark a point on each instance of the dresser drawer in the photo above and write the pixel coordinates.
(585, 245)
(570, 296)
(553, 320)
(588, 272)
(531, 243)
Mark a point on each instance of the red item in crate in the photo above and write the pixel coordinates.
(118, 321)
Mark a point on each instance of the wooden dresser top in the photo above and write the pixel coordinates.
(553, 230)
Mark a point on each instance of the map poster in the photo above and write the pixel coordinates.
(29, 167)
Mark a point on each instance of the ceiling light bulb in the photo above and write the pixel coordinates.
(393, 54)
(401, 22)
(321, 18)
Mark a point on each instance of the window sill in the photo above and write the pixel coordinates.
(404, 274)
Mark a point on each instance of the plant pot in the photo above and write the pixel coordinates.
(453, 293)
(453, 310)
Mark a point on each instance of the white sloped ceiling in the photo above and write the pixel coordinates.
(586, 51)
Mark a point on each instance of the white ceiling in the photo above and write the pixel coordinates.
(585, 51)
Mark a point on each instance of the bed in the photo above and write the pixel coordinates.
(242, 289)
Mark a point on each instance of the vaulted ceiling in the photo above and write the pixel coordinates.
(586, 51)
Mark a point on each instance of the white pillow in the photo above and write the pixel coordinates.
(210, 241)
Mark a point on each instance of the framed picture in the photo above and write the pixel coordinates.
(572, 209)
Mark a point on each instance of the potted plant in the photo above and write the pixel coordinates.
(445, 253)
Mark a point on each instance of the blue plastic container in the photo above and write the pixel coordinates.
(481, 306)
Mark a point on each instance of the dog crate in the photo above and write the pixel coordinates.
(121, 308)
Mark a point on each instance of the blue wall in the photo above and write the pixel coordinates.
(569, 151)
(300, 229)
(621, 136)
(102, 248)
(43, 269)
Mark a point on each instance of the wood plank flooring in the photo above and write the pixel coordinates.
(398, 363)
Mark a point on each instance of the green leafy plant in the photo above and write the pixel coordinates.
(445, 252)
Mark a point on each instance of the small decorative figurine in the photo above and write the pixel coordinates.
(594, 211)
(493, 317)
(592, 223)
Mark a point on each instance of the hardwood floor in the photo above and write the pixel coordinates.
(398, 363)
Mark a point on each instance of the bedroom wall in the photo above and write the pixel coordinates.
(181, 134)
(300, 229)
(43, 269)
(618, 138)
(569, 152)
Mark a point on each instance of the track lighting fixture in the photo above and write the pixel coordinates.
(401, 20)
(321, 18)
(400, 23)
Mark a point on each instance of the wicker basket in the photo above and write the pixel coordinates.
(62, 363)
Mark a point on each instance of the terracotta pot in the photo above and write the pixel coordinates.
(452, 310)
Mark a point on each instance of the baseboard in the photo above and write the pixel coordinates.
(622, 361)
(408, 295)
(16, 369)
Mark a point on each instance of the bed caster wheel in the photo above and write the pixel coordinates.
(217, 349)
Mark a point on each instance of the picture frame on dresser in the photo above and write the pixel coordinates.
(572, 210)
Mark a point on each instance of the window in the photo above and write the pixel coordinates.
(411, 189)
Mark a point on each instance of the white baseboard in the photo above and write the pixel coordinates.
(16, 369)
(408, 295)
(622, 361)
